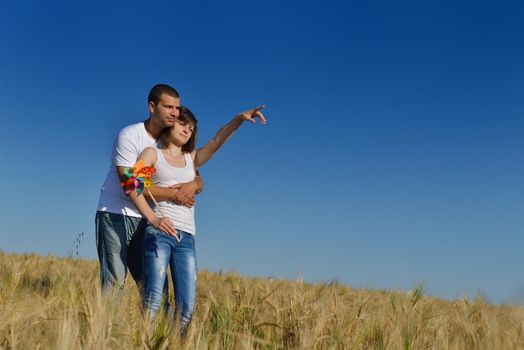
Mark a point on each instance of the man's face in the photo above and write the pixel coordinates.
(166, 111)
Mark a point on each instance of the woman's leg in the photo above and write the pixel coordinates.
(157, 248)
(183, 269)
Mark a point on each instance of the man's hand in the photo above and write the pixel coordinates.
(185, 194)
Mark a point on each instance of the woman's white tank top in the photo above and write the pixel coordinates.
(167, 175)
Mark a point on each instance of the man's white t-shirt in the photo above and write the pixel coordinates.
(128, 145)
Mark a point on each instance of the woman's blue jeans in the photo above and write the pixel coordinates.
(160, 249)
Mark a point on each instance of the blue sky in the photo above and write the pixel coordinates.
(392, 154)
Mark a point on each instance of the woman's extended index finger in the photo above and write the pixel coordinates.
(257, 112)
(261, 116)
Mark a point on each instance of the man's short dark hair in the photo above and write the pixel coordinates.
(158, 90)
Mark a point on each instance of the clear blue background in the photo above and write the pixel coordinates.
(393, 153)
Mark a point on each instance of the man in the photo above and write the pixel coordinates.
(119, 225)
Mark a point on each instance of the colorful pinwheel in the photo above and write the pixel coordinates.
(139, 177)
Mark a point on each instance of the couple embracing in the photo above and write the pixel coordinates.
(133, 234)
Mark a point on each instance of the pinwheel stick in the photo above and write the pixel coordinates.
(156, 203)
(160, 209)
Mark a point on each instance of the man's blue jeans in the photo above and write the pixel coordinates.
(161, 250)
(119, 245)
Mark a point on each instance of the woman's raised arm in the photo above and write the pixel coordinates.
(208, 151)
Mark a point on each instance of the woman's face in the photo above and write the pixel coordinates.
(181, 132)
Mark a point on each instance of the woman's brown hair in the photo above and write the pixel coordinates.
(185, 116)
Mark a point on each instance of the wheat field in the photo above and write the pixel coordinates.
(55, 303)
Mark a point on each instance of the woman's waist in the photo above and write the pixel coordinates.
(181, 233)
(174, 211)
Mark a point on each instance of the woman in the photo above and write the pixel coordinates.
(169, 237)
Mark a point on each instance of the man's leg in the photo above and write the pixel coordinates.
(112, 249)
(135, 255)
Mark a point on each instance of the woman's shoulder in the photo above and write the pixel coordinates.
(149, 155)
(150, 150)
(192, 154)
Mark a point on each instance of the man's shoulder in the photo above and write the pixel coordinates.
(136, 128)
